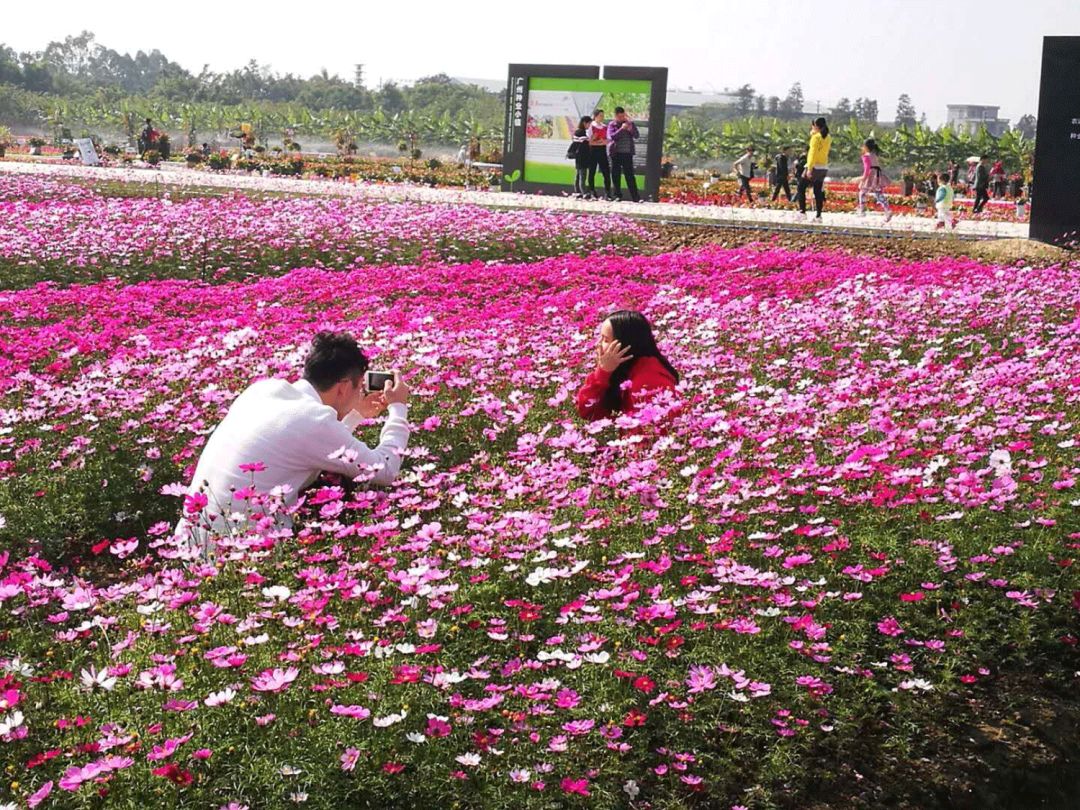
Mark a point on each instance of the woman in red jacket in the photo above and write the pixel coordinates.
(626, 352)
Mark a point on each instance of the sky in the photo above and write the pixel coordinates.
(937, 51)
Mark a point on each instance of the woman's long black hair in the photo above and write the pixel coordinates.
(631, 329)
(822, 126)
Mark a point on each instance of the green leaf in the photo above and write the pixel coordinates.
(514, 176)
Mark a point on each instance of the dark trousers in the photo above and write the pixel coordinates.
(581, 177)
(981, 198)
(623, 166)
(818, 182)
(744, 187)
(781, 184)
(598, 160)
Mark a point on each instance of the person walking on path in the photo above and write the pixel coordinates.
(817, 168)
(871, 181)
(997, 179)
(744, 171)
(982, 184)
(598, 158)
(579, 151)
(621, 135)
(780, 181)
(943, 201)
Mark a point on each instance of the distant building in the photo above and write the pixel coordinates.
(681, 100)
(969, 118)
(677, 100)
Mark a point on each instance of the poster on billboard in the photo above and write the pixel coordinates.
(545, 104)
(1055, 204)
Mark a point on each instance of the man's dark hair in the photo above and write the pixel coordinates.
(597, 112)
(333, 357)
(619, 110)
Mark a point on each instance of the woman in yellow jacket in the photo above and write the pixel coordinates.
(817, 167)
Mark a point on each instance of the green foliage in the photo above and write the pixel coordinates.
(918, 147)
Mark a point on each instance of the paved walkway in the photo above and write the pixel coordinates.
(398, 192)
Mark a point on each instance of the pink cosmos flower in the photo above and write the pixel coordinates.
(437, 726)
(274, 680)
(889, 627)
(349, 759)
(39, 795)
(195, 502)
(356, 712)
(578, 786)
(700, 679)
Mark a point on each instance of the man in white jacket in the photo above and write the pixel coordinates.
(278, 436)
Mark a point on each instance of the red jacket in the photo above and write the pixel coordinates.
(647, 375)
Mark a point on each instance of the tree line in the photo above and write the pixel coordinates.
(79, 69)
(81, 86)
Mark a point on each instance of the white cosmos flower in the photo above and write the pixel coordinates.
(388, 720)
(220, 698)
(16, 666)
(97, 679)
(11, 723)
(1001, 463)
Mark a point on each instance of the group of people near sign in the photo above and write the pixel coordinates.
(607, 147)
(278, 436)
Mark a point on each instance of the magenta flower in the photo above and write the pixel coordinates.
(889, 627)
(578, 786)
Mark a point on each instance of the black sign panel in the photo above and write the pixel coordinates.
(1055, 195)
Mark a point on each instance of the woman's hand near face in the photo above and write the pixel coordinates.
(611, 355)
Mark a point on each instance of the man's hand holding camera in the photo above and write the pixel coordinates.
(396, 390)
(370, 403)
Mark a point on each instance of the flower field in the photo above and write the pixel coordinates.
(59, 231)
(857, 519)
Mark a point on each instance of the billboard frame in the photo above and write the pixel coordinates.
(1055, 205)
(517, 113)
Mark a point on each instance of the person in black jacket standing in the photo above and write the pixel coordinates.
(982, 184)
(781, 181)
(621, 134)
